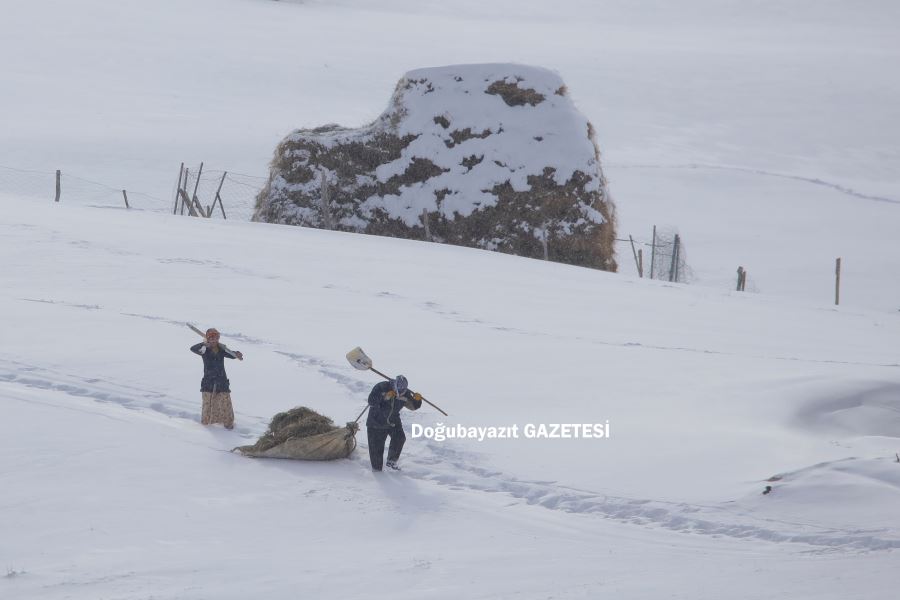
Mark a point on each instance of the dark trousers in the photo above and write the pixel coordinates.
(377, 437)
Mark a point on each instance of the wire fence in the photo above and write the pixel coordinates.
(221, 194)
(665, 257)
(229, 195)
(216, 194)
(237, 191)
(58, 186)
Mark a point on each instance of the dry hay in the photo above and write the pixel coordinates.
(298, 422)
(555, 218)
(514, 95)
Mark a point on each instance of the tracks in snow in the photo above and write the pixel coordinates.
(456, 469)
(448, 467)
(94, 388)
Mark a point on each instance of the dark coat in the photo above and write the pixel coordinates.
(385, 406)
(214, 377)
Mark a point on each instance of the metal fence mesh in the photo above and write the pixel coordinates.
(237, 191)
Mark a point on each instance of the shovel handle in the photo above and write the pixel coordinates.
(423, 397)
(434, 407)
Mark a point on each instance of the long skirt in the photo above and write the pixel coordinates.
(217, 409)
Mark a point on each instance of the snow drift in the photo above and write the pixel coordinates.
(492, 156)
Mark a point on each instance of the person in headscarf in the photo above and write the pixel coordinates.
(215, 386)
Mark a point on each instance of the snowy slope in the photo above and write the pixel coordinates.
(764, 131)
(113, 489)
(122, 93)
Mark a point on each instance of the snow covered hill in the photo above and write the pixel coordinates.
(113, 489)
(764, 131)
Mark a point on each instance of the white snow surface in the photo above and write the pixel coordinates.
(759, 129)
(113, 489)
(522, 140)
(765, 131)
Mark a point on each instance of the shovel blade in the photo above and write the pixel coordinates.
(358, 359)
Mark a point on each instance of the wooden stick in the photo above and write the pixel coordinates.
(182, 192)
(58, 186)
(218, 197)
(185, 201)
(180, 174)
(673, 269)
(653, 253)
(125, 195)
(203, 335)
(677, 256)
(197, 183)
(837, 282)
(423, 397)
(637, 263)
(201, 212)
(221, 206)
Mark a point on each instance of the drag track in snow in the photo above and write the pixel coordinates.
(455, 469)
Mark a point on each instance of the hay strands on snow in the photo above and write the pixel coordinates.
(359, 360)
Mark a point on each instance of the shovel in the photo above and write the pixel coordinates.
(358, 359)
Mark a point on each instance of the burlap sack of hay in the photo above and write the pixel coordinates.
(303, 434)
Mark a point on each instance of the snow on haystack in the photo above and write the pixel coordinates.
(493, 156)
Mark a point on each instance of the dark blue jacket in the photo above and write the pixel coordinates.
(214, 377)
(384, 406)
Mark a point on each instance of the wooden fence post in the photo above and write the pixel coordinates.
(673, 269)
(180, 174)
(837, 282)
(218, 198)
(641, 262)
(186, 202)
(182, 191)
(740, 273)
(198, 212)
(637, 262)
(197, 183)
(58, 186)
(677, 257)
(653, 253)
(125, 195)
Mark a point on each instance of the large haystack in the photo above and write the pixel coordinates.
(493, 156)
